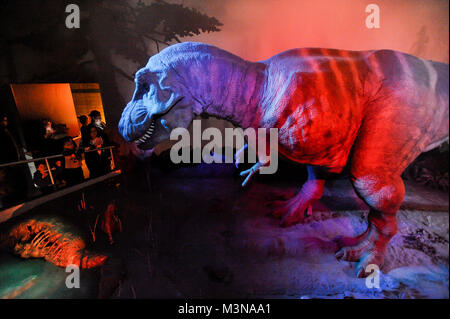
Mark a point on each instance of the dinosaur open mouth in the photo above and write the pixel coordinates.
(147, 135)
(144, 139)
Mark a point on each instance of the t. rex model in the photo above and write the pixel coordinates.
(377, 110)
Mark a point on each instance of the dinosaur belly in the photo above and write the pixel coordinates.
(320, 133)
(332, 155)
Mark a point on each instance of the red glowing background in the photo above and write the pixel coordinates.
(258, 29)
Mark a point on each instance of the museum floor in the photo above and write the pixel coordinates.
(194, 232)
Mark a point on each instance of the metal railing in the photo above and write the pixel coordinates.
(46, 158)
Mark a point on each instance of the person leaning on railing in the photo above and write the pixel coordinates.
(41, 178)
(96, 160)
(72, 172)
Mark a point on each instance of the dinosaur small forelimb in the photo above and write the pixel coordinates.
(250, 172)
(239, 156)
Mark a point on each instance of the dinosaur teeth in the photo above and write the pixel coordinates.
(147, 135)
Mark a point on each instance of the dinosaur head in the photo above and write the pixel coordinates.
(159, 104)
(176, 84)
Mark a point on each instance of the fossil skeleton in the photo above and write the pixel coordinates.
(36, 239)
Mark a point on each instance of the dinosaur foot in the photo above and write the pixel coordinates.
(280, 196)
(293, 211)
(366, 249)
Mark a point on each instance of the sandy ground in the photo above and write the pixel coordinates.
(197, 233)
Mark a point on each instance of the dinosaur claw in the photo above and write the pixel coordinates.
(366, 249)
(309, 211)
(293, 211)
(291, 219)
(360, 273)
(250, 172)
(339, 255)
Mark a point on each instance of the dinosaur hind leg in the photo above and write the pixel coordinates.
(384, 147)
(296, 209)
(384, 195)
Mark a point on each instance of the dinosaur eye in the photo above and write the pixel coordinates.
(164, 123)
(145, 86)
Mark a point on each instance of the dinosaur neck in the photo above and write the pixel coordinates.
(232, 91)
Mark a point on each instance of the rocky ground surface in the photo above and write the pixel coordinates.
(196, 233)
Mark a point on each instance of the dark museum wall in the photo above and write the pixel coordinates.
(37, 48)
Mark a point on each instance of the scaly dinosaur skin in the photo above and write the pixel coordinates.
(377, 110)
